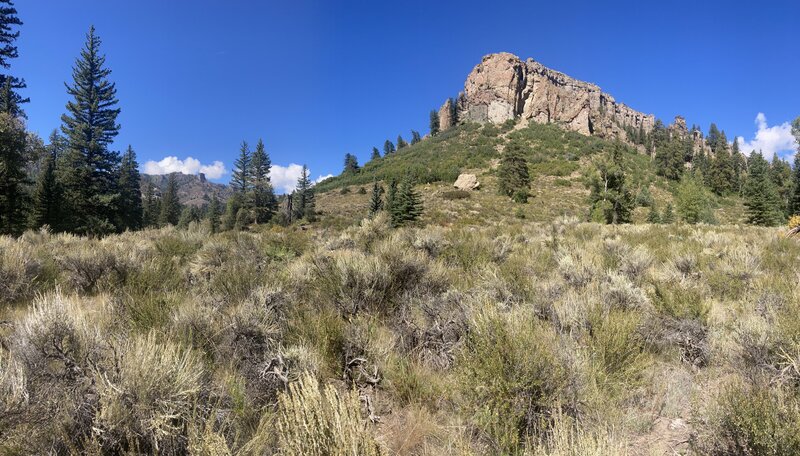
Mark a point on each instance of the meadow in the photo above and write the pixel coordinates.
(520, 337)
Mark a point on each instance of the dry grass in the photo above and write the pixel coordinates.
(507, 337)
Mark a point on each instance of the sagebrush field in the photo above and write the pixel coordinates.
(562, 338)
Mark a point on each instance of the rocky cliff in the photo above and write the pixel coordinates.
(193, 190)
(503, 87)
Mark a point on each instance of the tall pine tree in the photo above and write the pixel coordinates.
(401, 143)
(240, 181)
(760, 195)
(170, 205)
(376, 200)
(212, 214)
(610, 198)
(303, 203)
(10, 99)
(693, 200)
(47, 197)
(13, 176)
(376, 154)
(350, 164)
(90, 125)
(722, 170)
(781, 174)
(263, 200)
(388, 148)
(513, 176)
(434, 122)
(151, 206)
(794, 197)
(130, 209)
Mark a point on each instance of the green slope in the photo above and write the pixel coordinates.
(559, 162)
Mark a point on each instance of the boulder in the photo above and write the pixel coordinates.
(467, 182)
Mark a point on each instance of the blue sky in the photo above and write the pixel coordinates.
(319, 79)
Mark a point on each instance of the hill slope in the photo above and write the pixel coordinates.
(559, 161)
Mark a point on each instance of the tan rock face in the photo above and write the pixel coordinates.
(446, 119)
(503, 87)
(467, 182)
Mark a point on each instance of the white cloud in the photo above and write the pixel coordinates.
(769, 140)
(190, 165)
(284, 178)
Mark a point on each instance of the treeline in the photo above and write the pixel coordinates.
(704, 168)
(75, 183)
(78, 184)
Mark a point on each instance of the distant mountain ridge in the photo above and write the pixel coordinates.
(193, 189)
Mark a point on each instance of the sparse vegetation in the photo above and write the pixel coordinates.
(589, 337)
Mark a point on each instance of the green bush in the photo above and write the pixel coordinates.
(754, 420)
(513, 379)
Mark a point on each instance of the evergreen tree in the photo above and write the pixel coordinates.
(415, 137)
(391, 196)
(89, 168)
(700, 163)
(406, 205)
(188, 215)
(693, 200)
(653, 216)
(212, 214)
(47, 197)
(350, 164)
(514, 179)
(376, 154)
(388, 148)
(232, 209)
(130, 200)
(670, 157)
(794, 198)
(263, 196)
(303, 204)
(611, 200)
(13, 175)
(659, 137)
(453, 110)
(739, 167)
(376, 200)
(781, 174)
(722, 172)
(401, 143)
(434, 122)
(151, 207)
(796, 129)
(669, 215)
(240, 180)
(170, 205)
(713, 139)
(760, 195)
(10, 99)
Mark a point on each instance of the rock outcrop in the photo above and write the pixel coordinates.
(446, 115)
(467, 182)
(679, 130)
(503, 87)
(193, 190)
